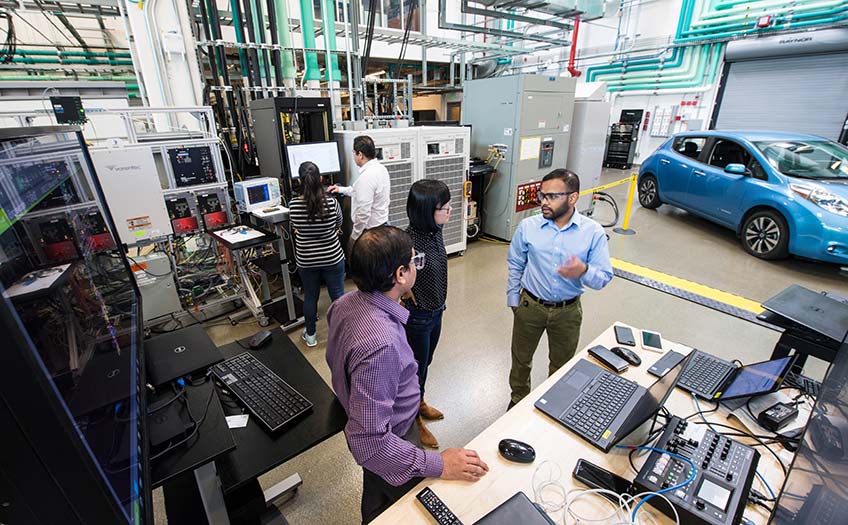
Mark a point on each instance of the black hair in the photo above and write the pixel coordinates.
(424, 197)
(376, 256)
(571, 180)
(313, 191)
(365, 145)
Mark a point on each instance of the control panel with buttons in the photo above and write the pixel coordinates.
(526, 196)
(723, 476)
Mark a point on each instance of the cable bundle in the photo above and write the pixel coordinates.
(9, 47)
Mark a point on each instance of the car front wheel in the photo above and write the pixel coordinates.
(765, 234)
(649, 193)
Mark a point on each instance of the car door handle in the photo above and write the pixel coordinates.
(698, 173)
(665, 161)
(683, 165)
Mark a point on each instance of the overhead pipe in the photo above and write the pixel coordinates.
(329, 27)
(252, 55)
(281, 10)
(307, 28)
(239, 30)
(70, 61)
(275, 54)
(694, 61)
(768, 7)
(62, 52)
(573, 71)
(680, 84)
(264, 53)
(788, 15)
(444, 24)
(512, 16)
(691, 54)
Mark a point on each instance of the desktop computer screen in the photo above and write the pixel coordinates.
(73, 386)
(324, 154)
(815, 487)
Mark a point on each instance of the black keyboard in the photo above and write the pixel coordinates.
(704, 375)
(269, 398)
(596, 408)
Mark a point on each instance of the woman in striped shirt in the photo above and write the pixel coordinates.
(316, 219)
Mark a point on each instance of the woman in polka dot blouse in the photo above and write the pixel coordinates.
(429, 209)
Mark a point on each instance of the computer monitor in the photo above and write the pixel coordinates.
(255, 194)
(72, 395)
(324, 154)
(816, 487)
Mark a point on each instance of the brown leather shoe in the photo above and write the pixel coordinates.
(428, 412)
(425, 436)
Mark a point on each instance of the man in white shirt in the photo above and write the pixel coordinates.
(370, 192)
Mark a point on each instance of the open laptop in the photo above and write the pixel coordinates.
(812, 310)
(179, 353)
(711, 377)
(602, 407)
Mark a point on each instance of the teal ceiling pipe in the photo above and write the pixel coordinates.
(766, 7)
(237, 26)
(792, 25)
(780, 21)
(714, 64)
(784, 13)
(638, 64)
(695, 66)
(675, 60)
(281, 9)
(693, 58)
(307, 28)
(70, 61)
(259, 31)
(643, 64)
(88, 54)
(329, 22)
(54, 78)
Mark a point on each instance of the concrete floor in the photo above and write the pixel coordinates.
(468, 377)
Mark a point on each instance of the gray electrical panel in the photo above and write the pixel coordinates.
(531, 115)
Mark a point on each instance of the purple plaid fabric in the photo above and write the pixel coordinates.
(375, 377)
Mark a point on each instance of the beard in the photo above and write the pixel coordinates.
(555, 213)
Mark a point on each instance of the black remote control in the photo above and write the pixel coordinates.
(437, 508)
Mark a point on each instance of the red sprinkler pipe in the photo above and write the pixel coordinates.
(573, 71)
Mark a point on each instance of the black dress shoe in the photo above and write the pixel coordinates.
(510, 405)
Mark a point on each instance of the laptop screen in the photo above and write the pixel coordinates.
(758, 378)
(653, 400)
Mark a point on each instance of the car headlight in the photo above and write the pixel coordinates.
(824, 199)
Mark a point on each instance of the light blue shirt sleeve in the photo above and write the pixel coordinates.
(516, 261)
(599, 268)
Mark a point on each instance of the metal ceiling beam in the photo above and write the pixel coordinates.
(513, 16)
(444, 24)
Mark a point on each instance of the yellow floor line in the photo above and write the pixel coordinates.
(689, 286)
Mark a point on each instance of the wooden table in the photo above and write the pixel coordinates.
(553, 442)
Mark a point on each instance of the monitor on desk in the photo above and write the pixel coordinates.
(72, 393)
(325, 155)
(814, 490)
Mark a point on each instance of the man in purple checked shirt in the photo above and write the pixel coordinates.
(375, 375)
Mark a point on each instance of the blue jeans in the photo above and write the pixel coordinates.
(422, 333)
(333, 276)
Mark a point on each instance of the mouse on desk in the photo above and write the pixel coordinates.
(260, 339)
(517, 451)
(627, 354)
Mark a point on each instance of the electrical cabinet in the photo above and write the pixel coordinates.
(397, 149)
(131, 187)
(531, 115)
(444, 157)
(588, 135)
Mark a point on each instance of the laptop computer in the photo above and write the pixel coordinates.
(103, 381)
(517, 509)
(602, 407)
(711, 377)
(179, 353)
(812, 310)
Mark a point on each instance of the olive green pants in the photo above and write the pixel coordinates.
(531, 319)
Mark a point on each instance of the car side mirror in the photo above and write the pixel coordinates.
(736, 169)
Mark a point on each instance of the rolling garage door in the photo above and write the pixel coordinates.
(805, 94)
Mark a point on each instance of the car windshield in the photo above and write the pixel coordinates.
(807, 159)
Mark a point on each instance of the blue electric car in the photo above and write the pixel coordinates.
(783, 193)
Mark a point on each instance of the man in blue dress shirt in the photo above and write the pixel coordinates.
(552, 257)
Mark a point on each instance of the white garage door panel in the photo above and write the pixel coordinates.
(803, 94)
